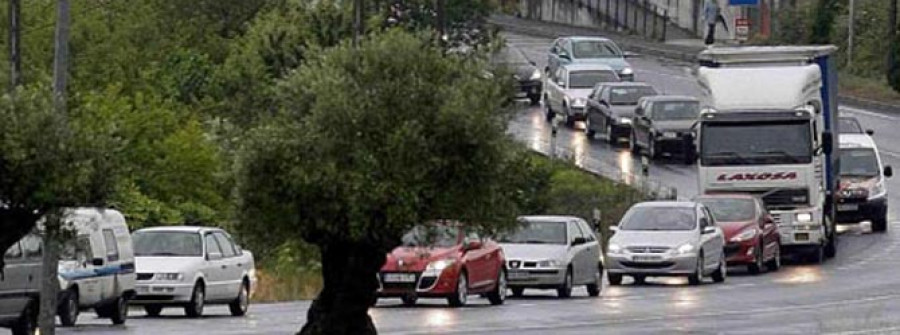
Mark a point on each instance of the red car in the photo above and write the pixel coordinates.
(751, 236)
(443, 260)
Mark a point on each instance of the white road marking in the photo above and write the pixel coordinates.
(868, 113)
(887, 330)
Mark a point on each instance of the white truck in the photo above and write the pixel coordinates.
(768, 130)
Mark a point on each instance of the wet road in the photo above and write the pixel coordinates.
(855, 293)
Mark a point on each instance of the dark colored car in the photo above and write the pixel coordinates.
(751, 235)
(663, 126)
(610, 109)
(19, 286)
(528, 78)
(443, 260)
(851, 125)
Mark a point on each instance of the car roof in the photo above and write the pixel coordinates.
(550, 218)
(726, 196)
(183, 229)
(677, 204)
(588, 67)
(856, 141)
(626, 84)
(588, 38)
(658, 98)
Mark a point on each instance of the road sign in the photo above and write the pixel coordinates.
(743, 2)
(741, 29)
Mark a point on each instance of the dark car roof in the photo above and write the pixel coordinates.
(658, 98)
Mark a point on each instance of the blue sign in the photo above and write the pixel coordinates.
(743, 2)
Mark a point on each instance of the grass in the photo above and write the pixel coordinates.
(867, 88)
(287, 285)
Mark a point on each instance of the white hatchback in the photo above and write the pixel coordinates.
(190, 267)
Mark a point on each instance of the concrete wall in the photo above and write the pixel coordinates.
(630, 15)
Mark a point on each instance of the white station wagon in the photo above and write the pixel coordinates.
(190, 267)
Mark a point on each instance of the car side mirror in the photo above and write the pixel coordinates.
(827, 142)
(888, 171)
(629, 54)
(579, 241)
(870, 132)
(709, 230)
(97, 262)
(473, 244)
(603, 102)
(214, 256)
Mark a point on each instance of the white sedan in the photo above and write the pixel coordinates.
(190, 267)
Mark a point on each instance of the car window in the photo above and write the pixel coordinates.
(537, 232)
(32, 246)
(431, 235)
(849, 125)
(595, 49)
(629, 95)
(225, 243)
(167, 243)
(589, 78)
(585, 231)
(731, 209)
(651, 218)
(574, 232)
(112, 248)
(13, 253)
(676, 110)
(859, 162)
(78, 250)
(212, 246)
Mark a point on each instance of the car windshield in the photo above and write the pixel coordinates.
(849, 125)
(629, 95)
(595, 49)
(537, 232)
(859, 162)
(676, 110)
(509, 56)
(755, 143)
(167, 243)
(587, 79)
(731, 209)
(659, 218)
(441, 236)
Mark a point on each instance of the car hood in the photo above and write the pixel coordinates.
(626, 111)
(730, 229)
(523, 71)
(416, 258)
(575, 93)
(535, 252)
(857, 182)
(617, 64)
(674, 125)
(166, 264)
(671, 239)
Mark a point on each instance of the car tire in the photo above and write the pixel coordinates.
(651, 150)
(757, 265)
(153, 310)
(697, 277)
(498, 295)
(879, 224)
(633, 145)
(118, 311)
(639, 279)
(241, 304)
(615, 279)
(27, 322)
(609, 132)
(194, 309)
(565, 290)
(68, 308)
(594, 288)
(590, 133)
(721, 273)
(567, 117)
(461, 294)
(775, 263)
(534, 99)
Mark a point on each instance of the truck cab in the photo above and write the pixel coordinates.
(768, 130)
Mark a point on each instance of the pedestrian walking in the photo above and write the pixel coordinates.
(712, 15)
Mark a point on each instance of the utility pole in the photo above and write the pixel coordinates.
(892, 37)
(441, 19)
(53, 236)
(358, 26)
(852, 19)
(15, 58)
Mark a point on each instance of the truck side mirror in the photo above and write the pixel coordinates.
(827, 142)
(888, 171)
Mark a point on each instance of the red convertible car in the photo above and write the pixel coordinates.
(443, 260)
(751, 236)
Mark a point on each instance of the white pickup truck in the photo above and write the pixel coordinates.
(190, 267)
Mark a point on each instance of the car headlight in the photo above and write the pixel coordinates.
(614, 249)
(804, 217)
(168, 276)
(536, 75)
(624, 120)
(877, 191)
(440, 265)
(550, 263)
(579, 102)
(684, 249)
(669, 134)
(627, 71)
(745, 235)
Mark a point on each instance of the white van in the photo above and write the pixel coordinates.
(862, 194)
(96, 267)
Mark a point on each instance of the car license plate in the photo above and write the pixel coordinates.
(848, 207)
(801, 236)
(142, 289)
(399, 278)
(517, 275)
(646, 258)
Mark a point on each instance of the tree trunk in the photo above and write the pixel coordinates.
(49, 274)
(349, 273)
(892, 34)
(15, 58)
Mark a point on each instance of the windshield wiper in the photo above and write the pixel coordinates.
(729, 154)
(781, 153)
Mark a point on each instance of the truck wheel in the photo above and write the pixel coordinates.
(68, 308)
(461, 295)
(194, 309)
(615, 279)
(498, 295)
(241, 304)
(153, 310)
(831, 246)
(879, 224)
(119, 311)
(565, 290)
(27, 323)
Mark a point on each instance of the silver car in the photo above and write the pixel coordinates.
(553, 252)
(667, 239)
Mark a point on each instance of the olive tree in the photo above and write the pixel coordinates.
(367, 143)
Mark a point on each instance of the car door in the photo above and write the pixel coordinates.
(577, 252)
(233, 271)
(707, 243)
(12, 283)
(214, 268)
(643, 123)
(769, 230)
(590, 255)
(106, 285)
(559, 89)
(593, 106)
(478, 262)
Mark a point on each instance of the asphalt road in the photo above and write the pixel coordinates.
(855, 293)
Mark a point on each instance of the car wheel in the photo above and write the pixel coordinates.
(535, 99)
(241, 304)
(615, 279)
(594, 288)
(153, 310)
(590, 133)
(651, 149)
(757, 265)
(639, 279)
(633, 145)
(721, 273)
(775, 263)
(194, 309)
(119, 311)
(879, 224)
(27, 323)
(461, 294)
(68, 308)
(498, 295)
(609, 132)
(567, 118)
(565, 290)
(697, 277)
